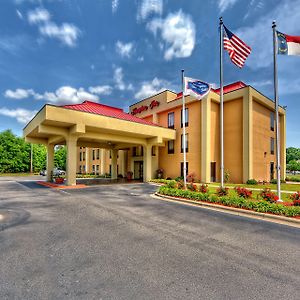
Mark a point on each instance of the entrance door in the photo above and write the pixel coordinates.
(213, 171)
(272, 170)
(138, 170)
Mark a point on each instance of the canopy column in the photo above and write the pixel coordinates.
(50, 161)
(147, 163)
(114, 162)
(71, 143)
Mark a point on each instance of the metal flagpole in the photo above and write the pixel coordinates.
(31, 157)
(276, 111)
(183, 129)
(221, 106)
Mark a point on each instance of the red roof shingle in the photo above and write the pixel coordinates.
(108, 111)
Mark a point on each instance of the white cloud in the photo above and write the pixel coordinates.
(19, 14)
(178, 33)
(118, 77)
(124, 49)
(149, 7)
(18, 93)
(260, 38)
(67, 33)
(22, 115)
(225, 4)
(64, 94)
(101, 90)
(150, 88)
(38, 15)
(114, 5)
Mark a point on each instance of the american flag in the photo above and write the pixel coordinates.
(237, 49)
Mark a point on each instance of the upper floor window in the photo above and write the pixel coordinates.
(186, 143)
(186, 115)
(153, 151)
(83, 156)
(80, 156)
(134, 152)
(171, 120)
(272, 120)
(170, 147)
(93, 154)
(272, 145)
(98, 153)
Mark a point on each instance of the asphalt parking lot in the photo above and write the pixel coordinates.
(116, 242)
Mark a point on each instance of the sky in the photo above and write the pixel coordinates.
(117, 52)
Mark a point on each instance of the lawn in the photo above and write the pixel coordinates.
(17, 174)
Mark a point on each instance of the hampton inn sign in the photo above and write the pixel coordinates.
(142, 108)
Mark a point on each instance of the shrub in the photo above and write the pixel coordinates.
(172, 184)
(252, 181)
(191, 177)
(269, 196)
(179, 178)
(222, 191)
(243, 192)
(192, 187)
(293, 179)
(274, 181)
(180, 184)
(226, 176)
(203, 188)
(296, 198)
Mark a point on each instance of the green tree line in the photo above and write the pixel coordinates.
(293, 159)
(15, 155)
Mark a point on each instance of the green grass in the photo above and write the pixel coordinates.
(17, 174)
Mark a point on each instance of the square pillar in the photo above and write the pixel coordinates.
(147, 163)
(71, 143)
(50, 161)
(114, 162)
(102, 161)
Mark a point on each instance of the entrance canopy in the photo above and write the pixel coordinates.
(91, 124)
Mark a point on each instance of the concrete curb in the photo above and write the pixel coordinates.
(234, 211)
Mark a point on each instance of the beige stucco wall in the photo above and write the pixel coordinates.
(215, 137)
(233, 139)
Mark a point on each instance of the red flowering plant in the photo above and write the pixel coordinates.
(203, 188)
(180, 184)
(296, 198)
(269, 196)
(191, 177)
(192, 187)
(243, 192)
(222, 191)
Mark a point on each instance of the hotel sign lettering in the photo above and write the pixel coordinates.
(142, 108)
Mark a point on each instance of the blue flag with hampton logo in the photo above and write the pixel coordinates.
(196, 88)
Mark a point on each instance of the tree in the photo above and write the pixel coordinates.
(60, 157)
(292, 153)
(293, 166)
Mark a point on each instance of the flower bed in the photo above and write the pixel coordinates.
(234, 201)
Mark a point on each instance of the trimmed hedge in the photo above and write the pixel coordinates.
(164, 181)
(234, 201)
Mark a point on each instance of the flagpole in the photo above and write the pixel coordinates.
(276, 112)
(183, 129)
(221, 106)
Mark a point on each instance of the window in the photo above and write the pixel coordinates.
(80, 156)
(186, 118)
(79, 169)
(93, 154)
(170, 147)
(181, 169)
(83, 156)
(97, 169)
(272, 119)
(272, 145)
(83, 169)
(134, 151)
(98, 153)
(186, 143)
(153, 151)
(142, 151)
(171, 120)
(93, 168)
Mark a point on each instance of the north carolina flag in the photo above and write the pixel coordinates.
(288, 44)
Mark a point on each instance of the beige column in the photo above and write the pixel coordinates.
(205, 138)
(155, 162)
(71, 143)
(50, 161)
(87, 162)
(147, 163)
(122, 162)
(102, 161)
(114, 161)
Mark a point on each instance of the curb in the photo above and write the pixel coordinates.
(234, 211)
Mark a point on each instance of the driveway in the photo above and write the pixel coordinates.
(116, 242)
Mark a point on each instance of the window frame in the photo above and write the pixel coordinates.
(187, 143)
(170, 150)
(171, 117)
(186, 117)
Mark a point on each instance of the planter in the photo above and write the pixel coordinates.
(59, 180)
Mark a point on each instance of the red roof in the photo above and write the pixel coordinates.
(108, 111)
(231, 87)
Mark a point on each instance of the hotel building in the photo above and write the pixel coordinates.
(105, 140)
